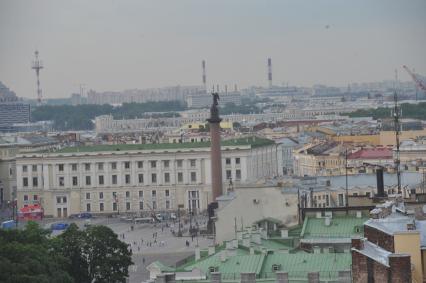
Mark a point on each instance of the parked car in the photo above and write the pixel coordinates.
(9, 224)
(59, 226)
(85, 215)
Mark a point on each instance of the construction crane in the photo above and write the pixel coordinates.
(419, 83)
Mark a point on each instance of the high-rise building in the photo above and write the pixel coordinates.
(12, 110)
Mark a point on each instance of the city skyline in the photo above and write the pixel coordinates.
(124, 45)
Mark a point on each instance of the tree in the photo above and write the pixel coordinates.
(94, 255)
(108, 257)
(70, 244)
(26, 256)
(236, 125)
(79, 117)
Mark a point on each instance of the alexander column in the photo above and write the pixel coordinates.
(216, 161)
(216, 157)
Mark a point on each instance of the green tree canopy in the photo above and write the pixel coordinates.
(79, 117)
(95, 254)
(81, 256)
(26, 256)
(415, 111)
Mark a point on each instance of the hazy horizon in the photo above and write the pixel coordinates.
(117, 45)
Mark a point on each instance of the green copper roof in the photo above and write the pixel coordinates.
(232, 267)
(340, 227)
(253, 142)
(299, 264)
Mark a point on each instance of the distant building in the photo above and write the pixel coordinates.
(12, 110)
(288, 145)
(203, 100)
(176, 93)
(322, 90)
(377, 156)
(10, 147)
(137, 178)
(321, 159)
(412, 153)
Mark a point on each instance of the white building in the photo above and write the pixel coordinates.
(137, 178)
(174, 93)
(247, 205)
(10, 146)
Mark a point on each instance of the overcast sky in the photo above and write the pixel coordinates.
(115, 45)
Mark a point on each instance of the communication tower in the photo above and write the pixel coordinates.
(37, 65)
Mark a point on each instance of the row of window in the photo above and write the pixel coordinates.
(115, 206)
(33, 168)
(228, 161)
(128, 194)
(127, 165)
(114, 179)
(63, 199)
(237, 174)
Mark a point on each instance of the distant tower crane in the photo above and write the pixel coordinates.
(37, 66)
(419, 83)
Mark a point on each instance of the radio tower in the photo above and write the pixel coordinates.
(37, 66)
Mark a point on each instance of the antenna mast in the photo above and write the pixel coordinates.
(397, 126)
(37, 66)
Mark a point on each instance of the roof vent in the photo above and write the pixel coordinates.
(276, 267)
(411, 226)
(327, 221)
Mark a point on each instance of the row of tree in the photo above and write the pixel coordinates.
(414, 111)
(93, 255)
(79, 117)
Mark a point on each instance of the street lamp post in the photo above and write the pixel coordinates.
(179, 230)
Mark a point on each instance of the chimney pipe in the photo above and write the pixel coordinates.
(203, 65)
(270, 72)
(380, 184)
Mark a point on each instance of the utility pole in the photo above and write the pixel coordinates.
(397, 129)
(179, 231)
(346, 180)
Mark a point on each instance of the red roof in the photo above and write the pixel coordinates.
(372, 153)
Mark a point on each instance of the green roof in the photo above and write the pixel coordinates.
(162, 267)
(233, 265)
(340, 227)
(275, 245)
(253, 142)
(299, 264)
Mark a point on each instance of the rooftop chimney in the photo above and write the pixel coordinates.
(380, 184)
(270, 72)
(203, 66)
